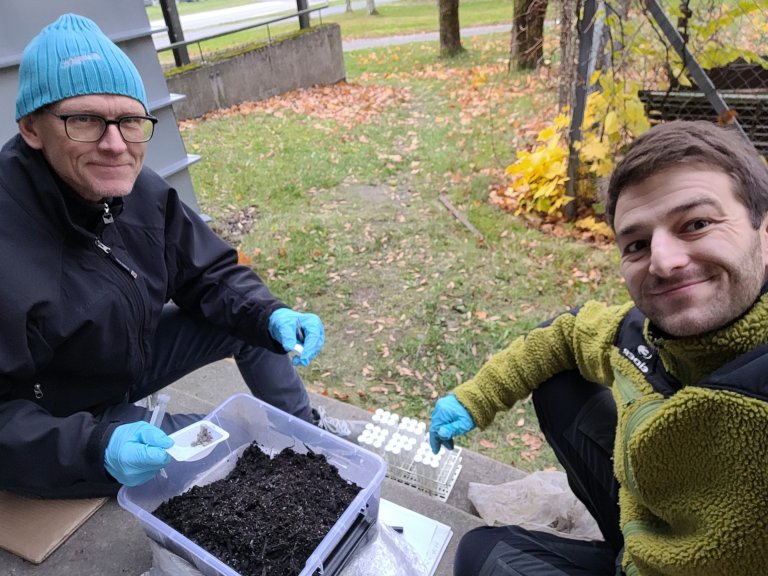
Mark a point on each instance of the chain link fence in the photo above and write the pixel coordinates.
(711, 62)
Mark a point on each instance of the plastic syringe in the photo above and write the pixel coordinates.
(157, 417)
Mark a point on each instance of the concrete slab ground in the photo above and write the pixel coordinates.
(112, 541)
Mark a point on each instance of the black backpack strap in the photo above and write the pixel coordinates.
(747, 375)
(632, 345)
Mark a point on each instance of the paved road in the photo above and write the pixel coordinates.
(213, 22)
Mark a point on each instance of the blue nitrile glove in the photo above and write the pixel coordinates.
(449, 419)
(291, 328)
(135, 453)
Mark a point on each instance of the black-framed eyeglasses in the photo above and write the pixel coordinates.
(91, 127)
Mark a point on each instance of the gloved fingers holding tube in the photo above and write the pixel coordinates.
(136, 452)
(449, 419)
(302, 333)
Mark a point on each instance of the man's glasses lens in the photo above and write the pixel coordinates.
(90, 127)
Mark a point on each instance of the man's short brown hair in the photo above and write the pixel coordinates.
(686, 143)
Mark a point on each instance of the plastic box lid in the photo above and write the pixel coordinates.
(248, 419)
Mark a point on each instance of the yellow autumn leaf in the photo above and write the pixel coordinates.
(602, 168)
(546, 134)
(612, 122)
(637, 121)
(594, 149)
(555, 169)
(562, 121)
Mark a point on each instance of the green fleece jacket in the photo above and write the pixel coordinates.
(692, 464)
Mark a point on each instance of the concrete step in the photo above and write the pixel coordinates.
(457, 511)
(113, 542)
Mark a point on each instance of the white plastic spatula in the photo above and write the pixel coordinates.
(196, 441)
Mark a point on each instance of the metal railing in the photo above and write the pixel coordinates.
(264, 23)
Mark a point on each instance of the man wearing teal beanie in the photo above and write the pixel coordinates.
(110, 287)
(72, 57)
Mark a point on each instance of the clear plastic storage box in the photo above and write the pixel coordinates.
(247, 419)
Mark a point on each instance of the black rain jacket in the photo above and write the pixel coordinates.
(78, 309)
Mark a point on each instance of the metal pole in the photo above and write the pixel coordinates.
(175, 32)
(689, 61)
(303, 18)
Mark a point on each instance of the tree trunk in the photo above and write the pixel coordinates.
(349, 6)
(450, 31)
(371, 5)
(526, 49)
(569, 42)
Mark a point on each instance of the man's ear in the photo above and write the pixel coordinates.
(29, 130)
(763, 230)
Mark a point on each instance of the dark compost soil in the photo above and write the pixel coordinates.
(268, 515)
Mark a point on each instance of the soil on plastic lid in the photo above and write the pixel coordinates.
(268, 515)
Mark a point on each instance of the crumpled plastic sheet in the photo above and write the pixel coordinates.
(539, 501)
(166, 563)
(387, 554)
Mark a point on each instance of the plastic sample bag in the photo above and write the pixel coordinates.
(540, 501)
(166, 563)
(388, 554)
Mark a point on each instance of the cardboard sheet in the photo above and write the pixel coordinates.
(32, 528)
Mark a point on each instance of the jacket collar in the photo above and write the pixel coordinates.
(690, 359)
(56, 199)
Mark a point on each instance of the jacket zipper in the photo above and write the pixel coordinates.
(108, 251)
(636, 419)
(630, 394)
(630, 528)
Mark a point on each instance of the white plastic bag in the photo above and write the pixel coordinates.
(388, 554)
(539, 501)
(166, 563)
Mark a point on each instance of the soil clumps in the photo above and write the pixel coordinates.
(268, 515)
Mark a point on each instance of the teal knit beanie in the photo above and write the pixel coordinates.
(73, 57)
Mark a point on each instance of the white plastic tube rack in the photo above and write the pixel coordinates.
(404, 445)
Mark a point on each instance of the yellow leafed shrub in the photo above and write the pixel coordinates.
(613, 116)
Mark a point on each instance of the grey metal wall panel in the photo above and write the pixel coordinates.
(22, 19)
(142, 52)
(8, 87)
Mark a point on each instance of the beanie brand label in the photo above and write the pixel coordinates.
(75, 60)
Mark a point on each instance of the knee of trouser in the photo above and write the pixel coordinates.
(474, 547)
(551, 390)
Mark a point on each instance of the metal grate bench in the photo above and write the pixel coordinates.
(750, 106)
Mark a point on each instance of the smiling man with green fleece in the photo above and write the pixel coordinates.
(657, 410)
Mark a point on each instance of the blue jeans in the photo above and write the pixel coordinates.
(183, 343)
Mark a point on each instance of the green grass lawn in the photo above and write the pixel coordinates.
(395, 18)
(409, 16)
(345, 219)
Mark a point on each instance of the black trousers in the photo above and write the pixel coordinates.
(183, 343)
(578, 419)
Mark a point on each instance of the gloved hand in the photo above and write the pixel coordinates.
(449, 419)
(135, 453)
(290, 328)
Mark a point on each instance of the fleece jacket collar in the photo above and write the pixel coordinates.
(690, 359)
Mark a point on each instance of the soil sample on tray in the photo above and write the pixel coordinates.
(268, 515)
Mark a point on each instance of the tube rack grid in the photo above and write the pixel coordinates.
(404, 445)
